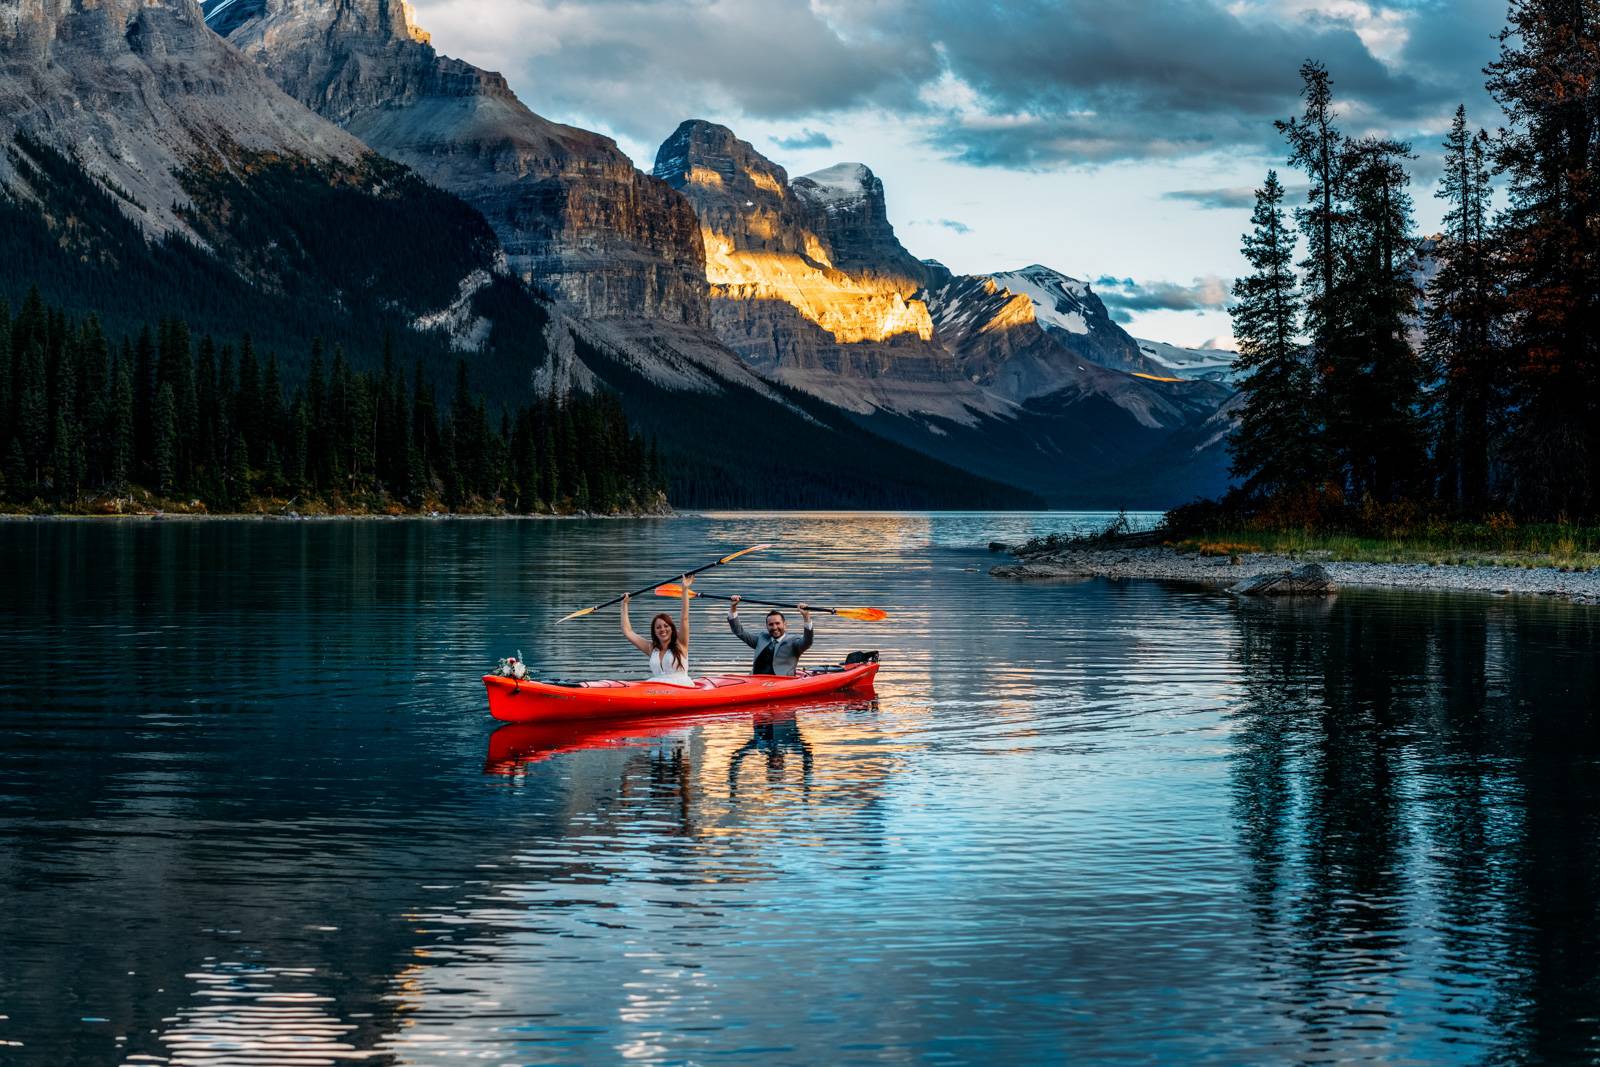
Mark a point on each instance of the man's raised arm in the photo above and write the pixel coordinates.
(733, 623)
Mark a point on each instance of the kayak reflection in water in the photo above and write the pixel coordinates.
(774, 736)
(668, 646)
(777, 650)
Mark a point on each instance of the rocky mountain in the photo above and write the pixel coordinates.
(151, 170)
(1069, 310)
(574, 215)
(717, 292)
(136, 90)
(850, 211)
(1003, 374)
(854, 335)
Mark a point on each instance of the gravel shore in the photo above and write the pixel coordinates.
(1168, 564)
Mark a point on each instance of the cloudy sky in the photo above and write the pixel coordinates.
(1115, 140)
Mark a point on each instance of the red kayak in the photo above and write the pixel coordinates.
(549, 701)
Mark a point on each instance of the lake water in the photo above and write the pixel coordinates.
(253, 809)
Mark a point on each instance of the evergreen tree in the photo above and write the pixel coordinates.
(1461, 349)
(362, 435)
(299, 442)
(94, 401)
(66, 458)
(318, 455)
(1358, 295)
(8, 417)
(237, 485)
(272, 428)
(120, 426)
(1376, 398)
(164, 426)
(247, 399)
(1317, 147)
(26, 470)
(144, 399)
(207, 476)
(1547, 79)
(1275, 445)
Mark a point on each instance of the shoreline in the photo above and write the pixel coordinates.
(253, 516)
(1164, 563)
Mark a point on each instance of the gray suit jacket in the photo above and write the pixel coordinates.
(786, 657)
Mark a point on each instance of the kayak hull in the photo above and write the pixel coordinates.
(534, 701)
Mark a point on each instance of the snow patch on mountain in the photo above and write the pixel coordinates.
(466, 329)
(1058, 300)
(836, 188)
(1208, 364)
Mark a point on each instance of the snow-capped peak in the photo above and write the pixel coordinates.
(841, 180)
(1058, 299)
(841, 186)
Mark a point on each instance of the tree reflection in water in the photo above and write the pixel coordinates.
(1416, 788)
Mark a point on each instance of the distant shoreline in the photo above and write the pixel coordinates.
(1166, 563)
(250, 516)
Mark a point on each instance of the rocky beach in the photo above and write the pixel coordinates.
(1167, 563)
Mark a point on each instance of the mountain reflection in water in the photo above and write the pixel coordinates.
(251, 800)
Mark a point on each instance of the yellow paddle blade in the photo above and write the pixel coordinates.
(743, 552)
(580, 613)
(862, 614)
(673, 589)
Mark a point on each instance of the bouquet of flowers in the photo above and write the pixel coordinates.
(513, 667)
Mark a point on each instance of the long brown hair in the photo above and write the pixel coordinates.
(674, 645)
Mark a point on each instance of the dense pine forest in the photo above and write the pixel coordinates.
(1394, 382)
(158, 420)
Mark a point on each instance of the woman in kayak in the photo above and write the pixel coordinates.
(668, 646)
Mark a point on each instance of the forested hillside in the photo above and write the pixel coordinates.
(96, 424)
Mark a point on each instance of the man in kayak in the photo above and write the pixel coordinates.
(777, 650)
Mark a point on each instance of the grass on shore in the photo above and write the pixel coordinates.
(1561, 546)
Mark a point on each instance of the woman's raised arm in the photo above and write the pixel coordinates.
(683, 616)
(627, 629)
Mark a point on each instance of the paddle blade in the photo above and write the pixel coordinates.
(673, 589)
(580, 613)
(743, 552)
(862, 614)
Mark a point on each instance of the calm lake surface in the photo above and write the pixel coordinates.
(253, 809)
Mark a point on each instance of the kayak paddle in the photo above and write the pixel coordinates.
(859, 614)
(617, 599)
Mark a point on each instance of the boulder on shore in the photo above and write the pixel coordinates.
(1308, 580)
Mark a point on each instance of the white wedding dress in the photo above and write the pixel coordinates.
(664, 669)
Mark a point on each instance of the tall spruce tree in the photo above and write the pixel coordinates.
(120, 425)
(1462, 346)
(1547, 79)
(1275, 446)
(1317, 147)
(8, 417)
(1374, 404)
(164, 426)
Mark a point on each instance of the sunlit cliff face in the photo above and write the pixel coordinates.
(1016, 311)
(852, 309)
(417, 33)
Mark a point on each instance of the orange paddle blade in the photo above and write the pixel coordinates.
(743, 552)
(673, 589)
(862, 614)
